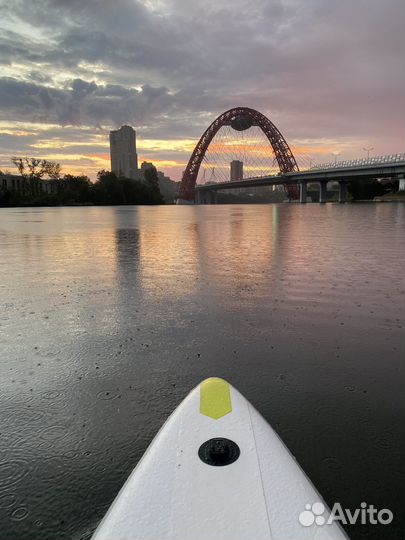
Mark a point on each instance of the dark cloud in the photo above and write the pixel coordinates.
(81, 102)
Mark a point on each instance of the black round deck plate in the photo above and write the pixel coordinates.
(219, 452)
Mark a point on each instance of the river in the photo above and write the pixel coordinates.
(110, 315)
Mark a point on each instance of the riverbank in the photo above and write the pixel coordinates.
(391, 197)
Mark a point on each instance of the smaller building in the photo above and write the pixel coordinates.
(145, 166)
(236, 170)
(14, 182)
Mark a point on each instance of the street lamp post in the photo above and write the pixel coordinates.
(368, 150)
(336, 154)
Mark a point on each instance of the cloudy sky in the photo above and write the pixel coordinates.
(328, 73)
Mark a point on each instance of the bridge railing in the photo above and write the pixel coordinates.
(363, 162)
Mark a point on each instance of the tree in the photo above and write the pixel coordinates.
(152, 180)
(74, 189)
(108, 189)
(34, 168)
(135, 191)
(53, 170)
(365, 190)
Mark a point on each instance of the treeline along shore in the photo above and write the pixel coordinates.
(40, 183)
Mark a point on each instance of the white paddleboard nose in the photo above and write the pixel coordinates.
(216, 470)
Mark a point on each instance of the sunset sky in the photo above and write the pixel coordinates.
(328, 73)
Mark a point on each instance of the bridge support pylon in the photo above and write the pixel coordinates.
(322, 191)
(342, 191)
(197, 197)
(303, 192)
(206, 197)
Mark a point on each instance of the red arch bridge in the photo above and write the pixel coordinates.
(289, 176)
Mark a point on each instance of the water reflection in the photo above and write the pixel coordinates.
(127, 255)
(168, 255)
(238, 250)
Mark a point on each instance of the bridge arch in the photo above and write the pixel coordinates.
(239, 118)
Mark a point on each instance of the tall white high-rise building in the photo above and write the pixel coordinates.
(236, 170)
(124, 159)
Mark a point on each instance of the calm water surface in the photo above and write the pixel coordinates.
(111, 315)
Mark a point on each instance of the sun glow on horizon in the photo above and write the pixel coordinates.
(85, 150)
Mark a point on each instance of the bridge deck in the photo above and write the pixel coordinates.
(381, 170)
